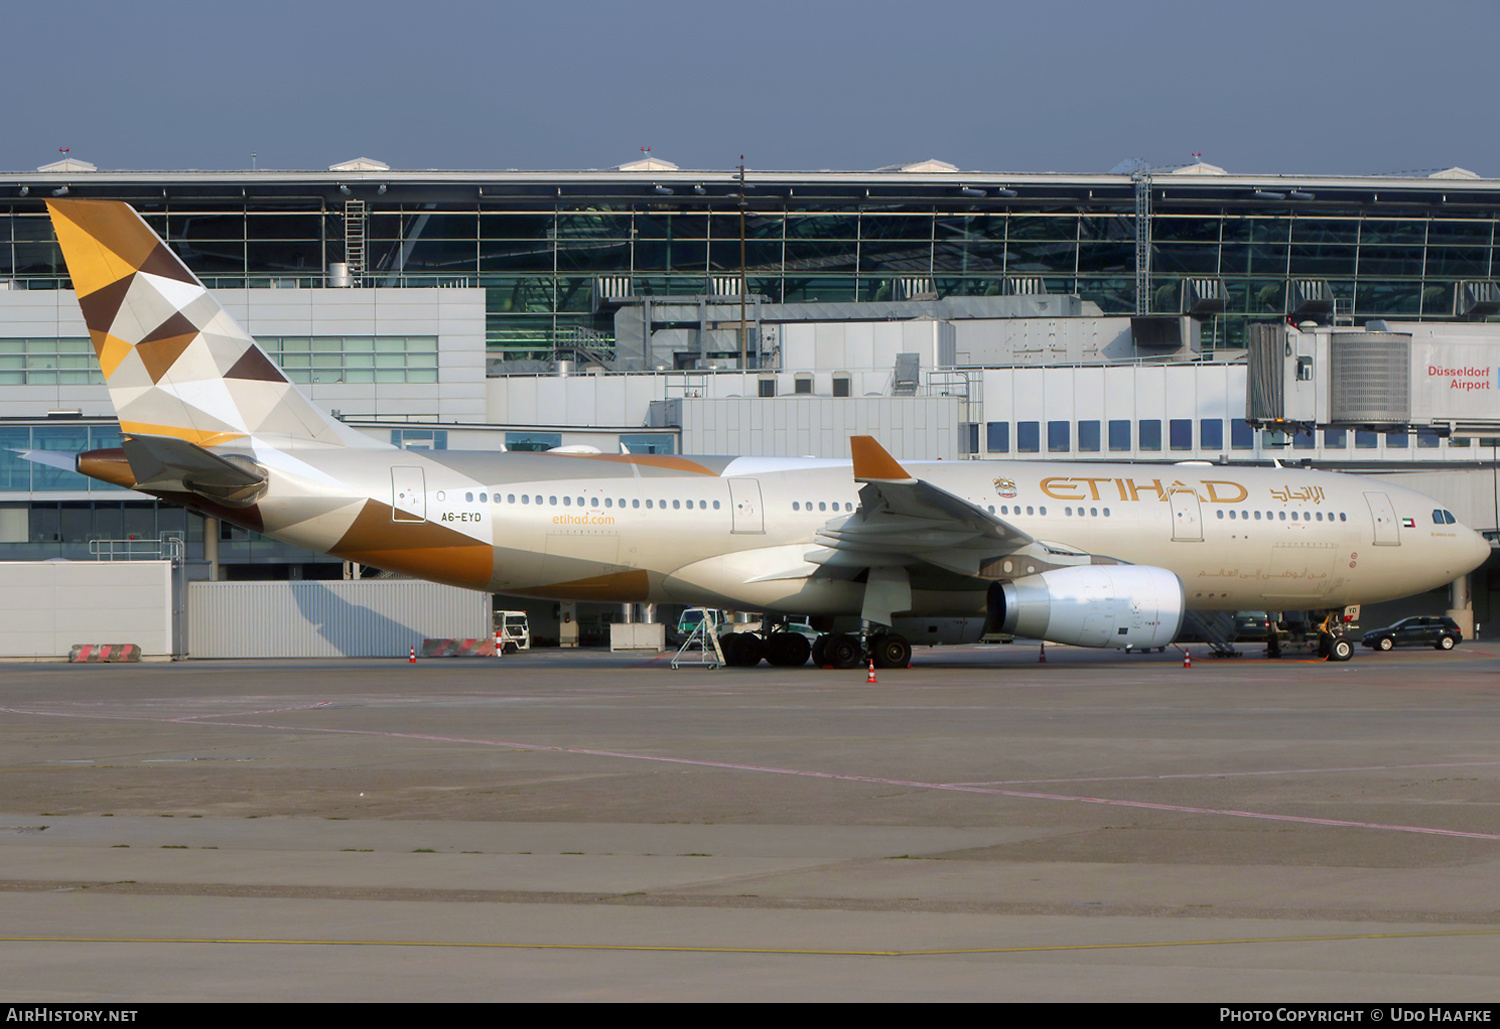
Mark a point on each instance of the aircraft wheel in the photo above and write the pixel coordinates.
(1446, 643)
(729, 645)
(1386, 643)
(842, 650)
(891, 651)
(1340, 649)
(749, 649)
(787, 649)
(820, 650)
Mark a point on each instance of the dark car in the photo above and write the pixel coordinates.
(1252, 626)
(1420, 631)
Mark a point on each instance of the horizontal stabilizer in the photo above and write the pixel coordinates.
(54, 458)
(168, 463)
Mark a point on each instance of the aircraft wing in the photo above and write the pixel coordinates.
(904, 521)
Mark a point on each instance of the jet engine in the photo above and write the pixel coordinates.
(1120, 606)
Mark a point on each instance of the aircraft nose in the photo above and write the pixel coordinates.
(1476, 550)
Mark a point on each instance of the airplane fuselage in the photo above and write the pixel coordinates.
(743, 532)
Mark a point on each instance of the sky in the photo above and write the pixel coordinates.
(1275, 86)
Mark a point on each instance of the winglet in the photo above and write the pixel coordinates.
(873, 464)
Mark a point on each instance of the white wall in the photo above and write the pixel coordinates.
(48, 606)
(361, 618)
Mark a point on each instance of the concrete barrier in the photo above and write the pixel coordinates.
(459, 648)
(103, 652)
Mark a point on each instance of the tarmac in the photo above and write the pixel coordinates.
(579, 825)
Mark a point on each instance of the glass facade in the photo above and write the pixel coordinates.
(18, 475)
(47, 361)
(551, 250)
(308, 359)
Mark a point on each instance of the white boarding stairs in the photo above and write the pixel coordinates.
(701, 648)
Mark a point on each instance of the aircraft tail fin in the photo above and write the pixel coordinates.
(175, 362)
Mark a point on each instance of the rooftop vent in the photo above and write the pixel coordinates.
(932, 164)
(648, 164)
(1200, 168)
(68, 164)
(360, 164)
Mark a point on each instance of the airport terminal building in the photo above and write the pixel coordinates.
(952, 314)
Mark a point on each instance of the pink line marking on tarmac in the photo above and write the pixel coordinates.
(1233, 775)
(834, 776)
(914, 784)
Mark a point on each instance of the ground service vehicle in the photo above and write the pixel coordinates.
(514, 630)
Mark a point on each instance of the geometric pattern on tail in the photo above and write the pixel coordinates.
(175, 362)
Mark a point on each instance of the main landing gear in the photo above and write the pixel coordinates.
(781, 649)
(786, 649)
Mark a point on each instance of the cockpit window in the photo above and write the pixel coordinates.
(1448, 517)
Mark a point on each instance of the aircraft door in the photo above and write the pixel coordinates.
(408, 494)
(744, 498)
(1387, 530)
(1187, 517)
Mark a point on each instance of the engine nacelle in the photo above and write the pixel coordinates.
(1120, 606)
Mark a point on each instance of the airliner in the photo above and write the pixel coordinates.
(1099, 555)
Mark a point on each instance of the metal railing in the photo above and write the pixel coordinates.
(168, 548)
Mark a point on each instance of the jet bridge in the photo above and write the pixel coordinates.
(1387, 376)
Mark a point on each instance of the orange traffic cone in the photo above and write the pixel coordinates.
(413, 659)
(1041, 658)
(871, 676)
(1187, 658)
